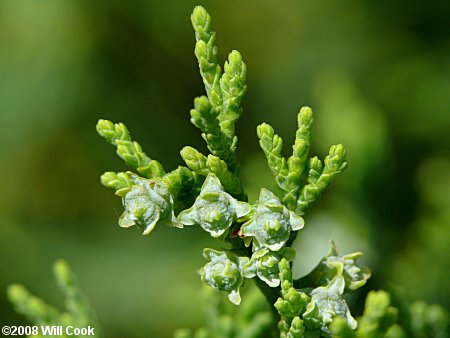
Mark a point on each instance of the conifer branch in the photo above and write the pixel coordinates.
(206, 53)
(128, 150)
(204, 165)
(335, 163)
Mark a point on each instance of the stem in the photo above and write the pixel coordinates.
(291, 239)
(271, 295)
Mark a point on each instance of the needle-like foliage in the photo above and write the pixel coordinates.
(77, 314)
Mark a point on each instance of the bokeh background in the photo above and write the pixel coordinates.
(376, 73)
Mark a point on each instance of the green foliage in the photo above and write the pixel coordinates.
(205, 165)
(128, 150)
(78, 313)
(306, 306)
(381, 320)
(288, 174)
(256, 236)
(120, 182)
(34, 308)
(220, 208)
(317, 298)
(319, 179)
(378, 315)
(292, 301)
(426, 320)
(252, 319)
(217, 116)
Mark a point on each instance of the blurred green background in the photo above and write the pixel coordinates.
(376, 73)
